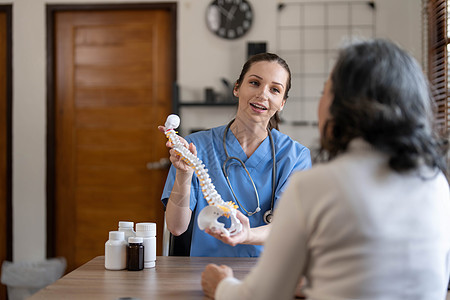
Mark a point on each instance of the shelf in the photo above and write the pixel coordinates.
(299, 123)
(217, 104)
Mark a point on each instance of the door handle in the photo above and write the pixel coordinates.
(162, 164)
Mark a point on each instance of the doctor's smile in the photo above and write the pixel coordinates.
(258, 107)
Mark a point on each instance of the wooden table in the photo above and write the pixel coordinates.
(174, 277)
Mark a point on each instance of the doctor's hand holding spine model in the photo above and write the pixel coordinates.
(248, 160)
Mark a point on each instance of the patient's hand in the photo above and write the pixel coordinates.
(212, 276)
(299, 289)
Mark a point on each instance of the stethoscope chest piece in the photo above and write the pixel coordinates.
(268, 216)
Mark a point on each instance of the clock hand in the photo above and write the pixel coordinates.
(232, 12)
(224, 12)
(228, 14)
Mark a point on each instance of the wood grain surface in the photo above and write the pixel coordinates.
(174, 277)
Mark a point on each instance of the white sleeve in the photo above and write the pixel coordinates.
(229, 288)
(281, 265)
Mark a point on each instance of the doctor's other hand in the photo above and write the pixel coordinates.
(242, 237)
(212, 276)
(175, 159)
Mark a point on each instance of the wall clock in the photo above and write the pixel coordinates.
(229, 19)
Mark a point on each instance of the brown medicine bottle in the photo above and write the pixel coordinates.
(135, 254)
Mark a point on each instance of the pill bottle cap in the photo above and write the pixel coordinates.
(146, 229)
(116, 235)
(135, 240)
(126, 224)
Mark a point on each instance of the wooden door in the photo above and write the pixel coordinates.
(5, 139)
(114, 70)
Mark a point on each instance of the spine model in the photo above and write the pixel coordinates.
(217, 207)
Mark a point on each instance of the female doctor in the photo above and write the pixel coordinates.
(248, 160)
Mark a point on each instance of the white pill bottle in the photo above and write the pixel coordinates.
(148, 232)
(116, 251)
(127, 228)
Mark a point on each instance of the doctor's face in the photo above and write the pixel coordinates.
(261, 93)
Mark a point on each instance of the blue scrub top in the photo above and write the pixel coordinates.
(290, 156)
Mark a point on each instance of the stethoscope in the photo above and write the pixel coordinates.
(268, 215)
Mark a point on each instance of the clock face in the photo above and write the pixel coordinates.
(229, 19)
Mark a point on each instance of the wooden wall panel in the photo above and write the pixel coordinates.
(5, 139)
(113, 76)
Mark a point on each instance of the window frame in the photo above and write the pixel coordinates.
(436, 14)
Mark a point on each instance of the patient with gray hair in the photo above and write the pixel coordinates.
(371, 219)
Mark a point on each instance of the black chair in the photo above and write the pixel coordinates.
(178, 245)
